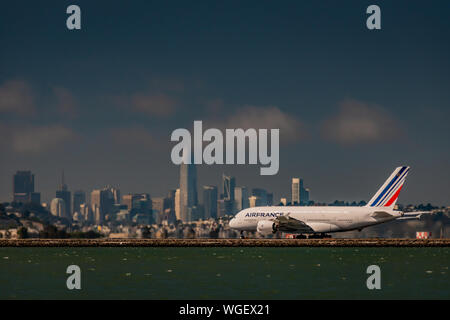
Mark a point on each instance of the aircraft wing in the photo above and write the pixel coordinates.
(413, 215)
(289, 224)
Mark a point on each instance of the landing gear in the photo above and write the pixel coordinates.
(242, 235)
(321, 236)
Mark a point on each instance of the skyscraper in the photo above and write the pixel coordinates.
(269, 199)
(222, 208)
(102, 201)
(188, 189)
(295, 191)
(23, 187)
(261, 194)
(304, 195)
(229, 184)
(210, 201)
(300, 194)
(115, 193)
(139, 204)
(64, 194)
(169, 207)
(96, 206)
(158, 209)
(86, 212)
(254, 201)
(177, 204)
(79, 197)
(241, 198)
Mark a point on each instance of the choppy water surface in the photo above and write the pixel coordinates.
(224, 273)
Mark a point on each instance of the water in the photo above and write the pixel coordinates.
(224, 273)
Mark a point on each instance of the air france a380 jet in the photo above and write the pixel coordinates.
(316, 222)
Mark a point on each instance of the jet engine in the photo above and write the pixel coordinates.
(266, 227)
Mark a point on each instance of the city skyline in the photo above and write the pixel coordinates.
(350, 103)
(242, 189)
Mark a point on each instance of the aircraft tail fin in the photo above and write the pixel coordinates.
(387, 195)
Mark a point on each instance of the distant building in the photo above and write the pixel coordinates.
(222, 208)
(254, 201)
(79, 197)
(169, 207)
(139, 203)
(23, 187)
(300, 194)
(269, 201)
(304, 197)
(261, 194)
(283, 201)
(177, 204)
(35, 197)
(158, 209)
(78, 217)
(188, 189)
(127, 200)
(136, 201)
(195, 213)
(58, 208)
(229, 185)
(295, 191)
(210, 201)
(86, 212)
(115, 193)
(102, 203)
(64, 193)
(163, 209)
(241, 198)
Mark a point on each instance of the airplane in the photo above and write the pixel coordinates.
(317, 222)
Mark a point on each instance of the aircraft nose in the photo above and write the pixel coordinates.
(232, 223)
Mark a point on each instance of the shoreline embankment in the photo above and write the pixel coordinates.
(224, 242)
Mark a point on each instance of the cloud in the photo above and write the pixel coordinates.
(159, 105)
(65, 102)
(270, 117)
(134, 136)
(16, 97)
(40, 139)
(359, 122)
(150, 104)
(160, 99)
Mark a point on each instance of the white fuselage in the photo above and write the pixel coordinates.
(319, 219)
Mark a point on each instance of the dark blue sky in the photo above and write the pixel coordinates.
(102, 102)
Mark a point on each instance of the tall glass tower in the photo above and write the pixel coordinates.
(23, 186)
(210, 201)
(64, 193)
(188, 189)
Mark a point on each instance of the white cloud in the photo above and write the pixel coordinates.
(65, 102)
(360, 122)
(134, 136)
(160, 105)
(270, 117)
(16, 97)
(40, 139)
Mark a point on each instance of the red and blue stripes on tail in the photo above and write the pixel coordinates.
(387, 195)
